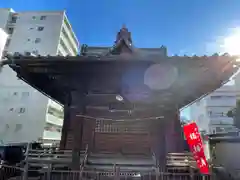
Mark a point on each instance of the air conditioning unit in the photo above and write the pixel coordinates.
(35, 52)
(26, 53)
(17, 54)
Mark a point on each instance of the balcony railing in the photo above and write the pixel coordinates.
(71, 38)
(54, 120)
(222, 121)
(51, 135)
(65, 44)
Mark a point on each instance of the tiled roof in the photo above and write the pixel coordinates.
(57, 75)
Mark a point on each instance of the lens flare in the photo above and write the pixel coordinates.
(231, 44)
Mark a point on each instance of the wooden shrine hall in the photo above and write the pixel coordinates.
(122, 99)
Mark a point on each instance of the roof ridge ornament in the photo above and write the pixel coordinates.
(84, 49)
(123, 42)
(123, 34)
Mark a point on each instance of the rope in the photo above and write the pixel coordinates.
(121, 120)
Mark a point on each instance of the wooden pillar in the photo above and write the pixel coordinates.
(178, 135)
(159, 144)
(163, 148)
(78, 110)
(66, 121)
(175, 140)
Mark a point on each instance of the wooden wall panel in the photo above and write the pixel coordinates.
(122, 142)
(88, 134)
(69, 141)
(131, 137)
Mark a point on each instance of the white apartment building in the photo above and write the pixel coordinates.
(236, 79)
(26, 114)
(210, 113)
(3, 40)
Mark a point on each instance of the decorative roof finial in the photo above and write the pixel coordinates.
(123, 42)
(124, 26)
(123, 34)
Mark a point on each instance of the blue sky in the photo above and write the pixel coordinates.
(184, 26)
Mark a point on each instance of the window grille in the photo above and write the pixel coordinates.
(22, 110)
(105, 126)
(40, 28)
(43, 17)
(37, 40)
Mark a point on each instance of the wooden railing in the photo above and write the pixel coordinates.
(40, 154)
(131, 166)
(102, 160)
(181, 160)
(85, 158)
(115, 174)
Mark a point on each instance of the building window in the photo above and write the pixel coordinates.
(15, 94)
(40, 28)
(11, 109)
(52, 127)
(28, 40)
(225, 97)
(55, 112)
(230, 97)
(219, 129)
(34, 17)
(37, 40)
(43, 17)
(31, 28)
(14, 19)
(18, 127)
(217, 114)
(59, 130)
(10, 30)
(22, 110)
(25, 94)
(209, 113)
(216, 97)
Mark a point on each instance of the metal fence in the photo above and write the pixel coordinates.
(39, 165)
(10, 172)
(122, 176)
(16, 173)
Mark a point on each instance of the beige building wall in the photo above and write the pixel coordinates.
(25, 114)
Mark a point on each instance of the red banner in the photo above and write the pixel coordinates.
(195, 143)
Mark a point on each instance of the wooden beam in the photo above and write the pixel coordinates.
(78, 100)
(66, 121)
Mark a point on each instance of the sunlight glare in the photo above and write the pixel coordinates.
(231, 44)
